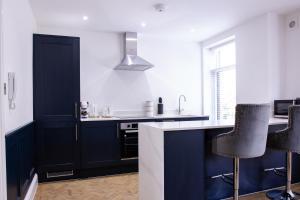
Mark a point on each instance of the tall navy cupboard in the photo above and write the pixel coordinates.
(56, 80)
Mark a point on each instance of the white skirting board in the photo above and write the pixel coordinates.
(32, 188)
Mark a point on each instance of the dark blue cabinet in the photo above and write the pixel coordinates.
(183, 168)
(20, 165)
(254, 173)
(99, 144)
(56, 75)
(192, 171)
(296, 171)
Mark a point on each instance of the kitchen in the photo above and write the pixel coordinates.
(81, 77)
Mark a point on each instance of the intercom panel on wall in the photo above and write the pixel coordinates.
(11, 90)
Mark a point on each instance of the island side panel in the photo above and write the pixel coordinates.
(151, 163)
(184, 159)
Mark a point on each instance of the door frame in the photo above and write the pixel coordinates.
(3, 192)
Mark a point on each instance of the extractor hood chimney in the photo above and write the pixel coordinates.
(131, 61)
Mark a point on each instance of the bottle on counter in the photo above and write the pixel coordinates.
(84, 106)
(160, 107)
(94, 111)
(107, 112)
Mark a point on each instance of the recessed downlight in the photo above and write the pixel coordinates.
(85, 18)
(192, 30)
(143, 24)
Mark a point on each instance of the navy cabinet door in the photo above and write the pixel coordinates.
(99, 144)
(56, 102)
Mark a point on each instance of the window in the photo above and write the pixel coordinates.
(222, 74)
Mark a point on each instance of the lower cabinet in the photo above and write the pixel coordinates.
(19, 161)
(57, 150)
(68, 150)
(99, 144)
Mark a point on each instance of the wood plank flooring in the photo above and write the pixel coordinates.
(121, 187)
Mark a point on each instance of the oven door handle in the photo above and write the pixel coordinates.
(131, 131)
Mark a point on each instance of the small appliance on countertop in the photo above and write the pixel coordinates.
(84, 106)
(149, 111)
(281, 107)
(160, 107)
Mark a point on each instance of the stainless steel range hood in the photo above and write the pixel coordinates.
(131, 61)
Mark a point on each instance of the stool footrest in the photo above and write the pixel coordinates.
(279, 171)
(227, 178)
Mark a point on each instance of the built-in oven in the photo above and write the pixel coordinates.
(129, 140)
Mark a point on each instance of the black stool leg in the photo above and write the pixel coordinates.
(236, 177)
(287, 194)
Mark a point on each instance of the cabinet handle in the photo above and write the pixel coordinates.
(118, 133)
(75, 110)
(76, 132)
(59, 174)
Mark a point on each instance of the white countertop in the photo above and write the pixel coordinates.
(206, 124)
(167, 116)
(98, 119)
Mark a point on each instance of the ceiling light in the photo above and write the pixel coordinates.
(192, 30)
(85, 18)
(143, 24)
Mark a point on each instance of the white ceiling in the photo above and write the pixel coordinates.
(207, 17)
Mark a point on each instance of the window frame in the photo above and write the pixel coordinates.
(211, 64)
(214, 85)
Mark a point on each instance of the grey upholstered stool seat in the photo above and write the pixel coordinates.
(248, 138)
(287, 140)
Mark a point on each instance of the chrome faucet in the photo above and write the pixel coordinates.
(180, 110)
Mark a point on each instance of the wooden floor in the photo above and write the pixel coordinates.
(121, 187)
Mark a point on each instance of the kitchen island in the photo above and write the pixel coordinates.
(176, 162)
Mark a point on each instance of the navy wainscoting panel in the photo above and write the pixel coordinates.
(19, 161)
(184, 165)
(12, 167)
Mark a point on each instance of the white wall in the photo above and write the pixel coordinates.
(2, 138)
(275, 55)
(291, 67)
(16, 27)
(258, 58)
(177, 71)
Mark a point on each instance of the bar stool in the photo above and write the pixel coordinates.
(248, 138)
(287, 140)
